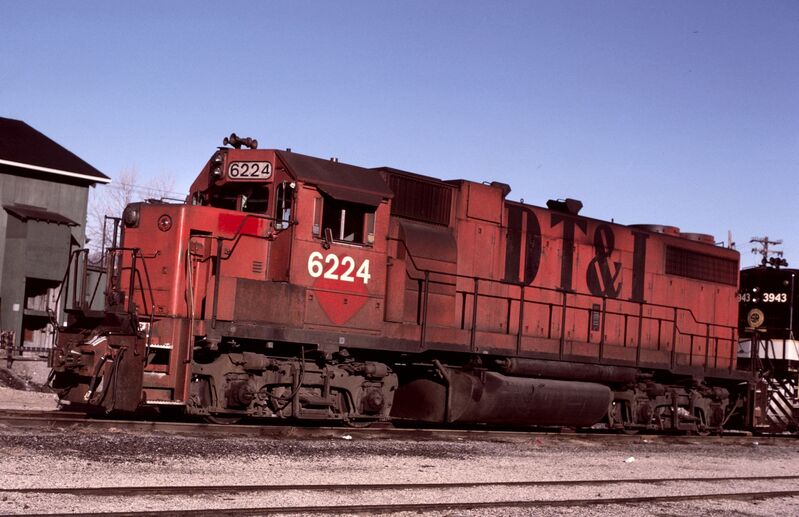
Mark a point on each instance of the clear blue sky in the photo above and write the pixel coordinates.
(683, 113)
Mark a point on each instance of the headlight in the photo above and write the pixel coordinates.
(131, 215)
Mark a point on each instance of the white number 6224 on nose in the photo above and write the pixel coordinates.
(328, 266)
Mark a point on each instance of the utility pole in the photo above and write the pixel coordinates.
(763, 249)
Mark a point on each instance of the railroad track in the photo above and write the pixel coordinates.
(457, 495)
(41, 414)
(57, 419)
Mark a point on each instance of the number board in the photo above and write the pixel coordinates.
(249, 171)
(332, 271)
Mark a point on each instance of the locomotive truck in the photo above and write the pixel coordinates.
(289, 286)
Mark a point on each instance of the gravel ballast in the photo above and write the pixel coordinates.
(78, 456)
(81, 456)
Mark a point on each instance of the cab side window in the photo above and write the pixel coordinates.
(348, 222)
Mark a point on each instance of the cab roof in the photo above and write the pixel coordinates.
(336, 179)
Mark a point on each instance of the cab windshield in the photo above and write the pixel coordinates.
(244, 198)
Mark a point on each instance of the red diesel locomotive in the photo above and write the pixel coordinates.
(289, 286)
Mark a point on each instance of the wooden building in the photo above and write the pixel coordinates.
(44, 191)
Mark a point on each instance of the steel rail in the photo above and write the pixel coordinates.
(117, 491)
(284, 430)
(55, 414)
(371, 509)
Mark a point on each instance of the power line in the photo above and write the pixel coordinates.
(142, 189)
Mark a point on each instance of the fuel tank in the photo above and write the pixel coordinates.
(494, 398)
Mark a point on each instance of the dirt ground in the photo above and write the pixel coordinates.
(17, 392)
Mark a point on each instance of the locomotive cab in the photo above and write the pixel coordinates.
(271, 251)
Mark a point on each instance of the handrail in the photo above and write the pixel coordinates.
(65, 281)
(115, 234)
(271, 235)
(542, 288)
(564, 306)
(79, 269)
(135, 275)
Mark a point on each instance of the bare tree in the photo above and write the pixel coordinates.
(110, 200)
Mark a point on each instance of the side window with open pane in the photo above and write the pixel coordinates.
(347, 221)
(284, 200)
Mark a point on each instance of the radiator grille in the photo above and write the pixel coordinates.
(692, 264)
(420, 200)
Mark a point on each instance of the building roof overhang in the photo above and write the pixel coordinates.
(35, 213)
(23, 147)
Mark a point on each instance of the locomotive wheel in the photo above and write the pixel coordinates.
(620, 418)
(359, 424)
(701, 425)
(701, 430)
(222, 420)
